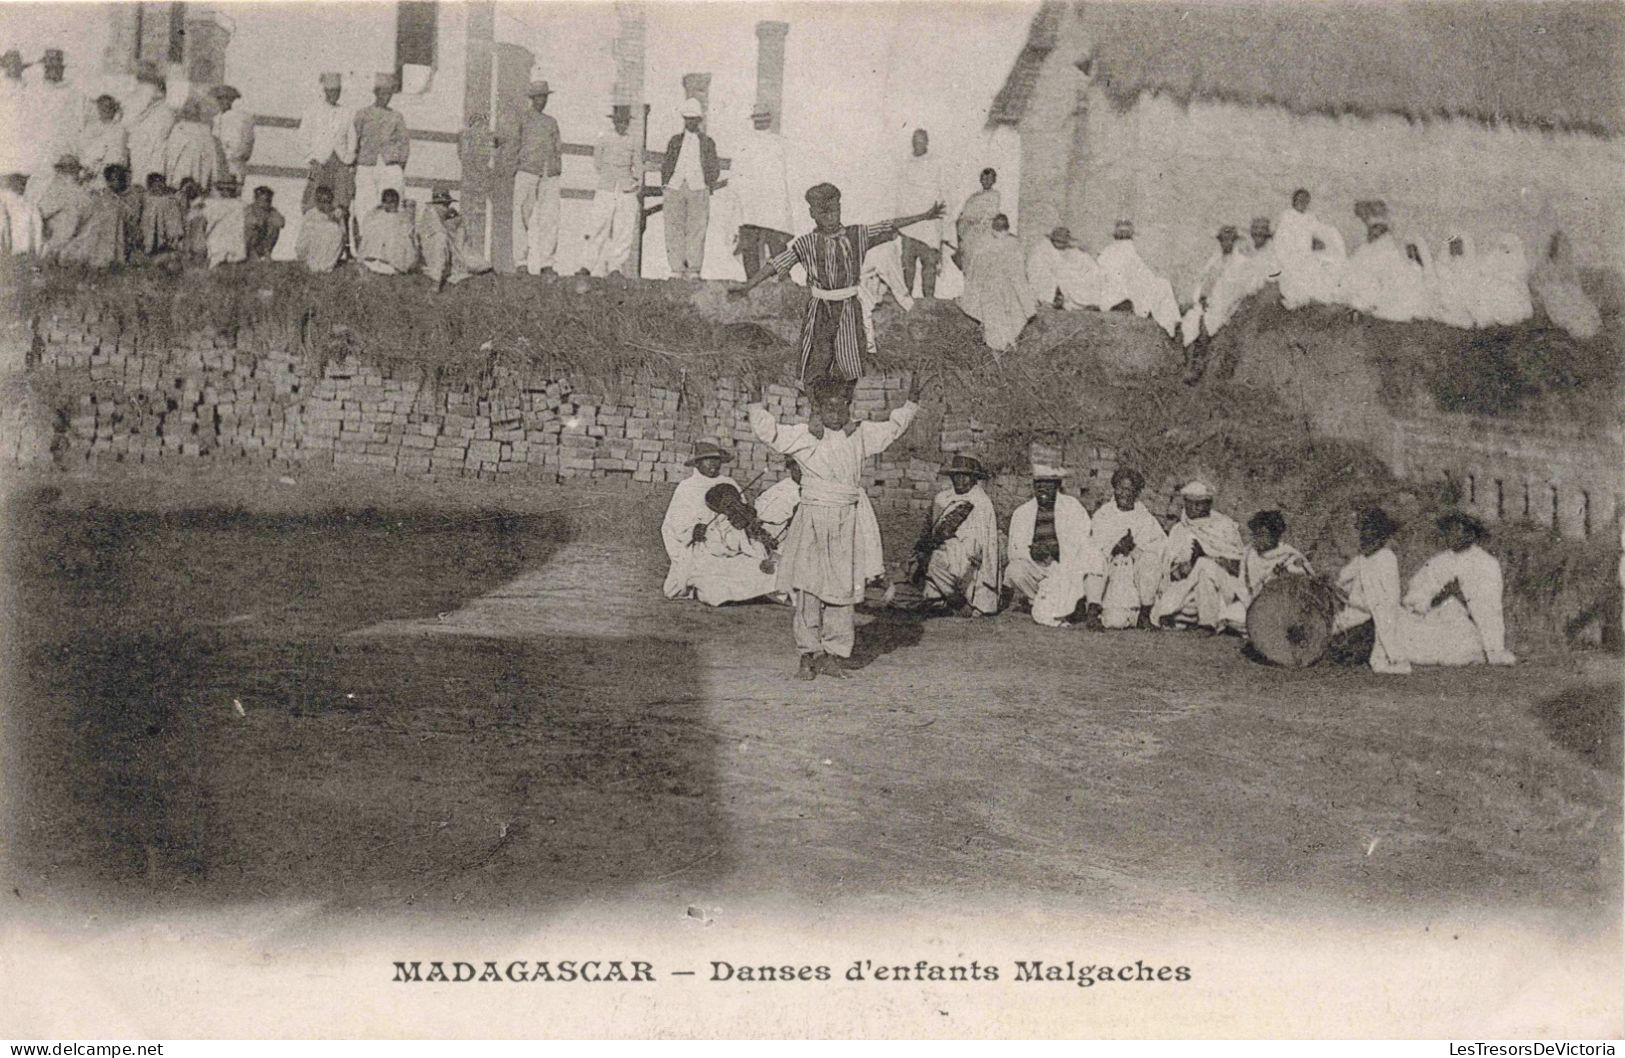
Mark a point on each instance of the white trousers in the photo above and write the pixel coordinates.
(1201, 597)
(612, 222)
(535, 221)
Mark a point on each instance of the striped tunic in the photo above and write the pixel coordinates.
(832, 335)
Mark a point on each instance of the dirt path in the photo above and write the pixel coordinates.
(457, 710)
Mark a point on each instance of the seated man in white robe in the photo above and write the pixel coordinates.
(389, 244)
(1268, 557)
(1050, 551)
(957, 561)
(1383, 280)
(1453, 604)
(997, 293)
(687, 518)
(1503, 278)
(1456, 282)
(730, 562)
(1223, 283)
(1130, 540)
(1367, 628)
(225, 223)
(1201, 564)
(447, 258)
(1311, 253)
(1062, 274)
(1126, 277)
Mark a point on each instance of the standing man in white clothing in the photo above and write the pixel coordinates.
(761, 182)
(14, 153)
(149, 119)
(55, 118)
(613, 221)
(919, 187)
(689, 173)
(538, 164)
(234, 129)
(327, 136)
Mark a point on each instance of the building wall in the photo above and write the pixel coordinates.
(1182, 171)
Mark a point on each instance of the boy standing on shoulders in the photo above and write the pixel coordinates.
(827, 555)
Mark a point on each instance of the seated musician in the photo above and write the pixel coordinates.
(1268, 557)
(958, 555)
(1452, 610)
(1201, 564)
(776, 506)
(687, 516)
(1130, 539)
(1050, 551)
(1367, 628)
(730, 563)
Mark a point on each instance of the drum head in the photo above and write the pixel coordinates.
(1290, 622)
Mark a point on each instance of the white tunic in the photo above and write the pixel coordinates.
(149, 123)
(1370, 583)
(235, 131)
(776, 506)
(55, 116)
(1456, 283)
(1380, 280)
(967, 564)
(686, 509)
(1126, 277)
(832, 547)
(919, 187)
(1504, 283)
(1226, 280)
(102, 143)
(1060, 584)
(1071, 272)
(1450, 633)
(1308, 274)
(325, 130)
(761, 182)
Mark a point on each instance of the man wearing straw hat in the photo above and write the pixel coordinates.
(446, 256)
(534, 154)
(1126, 277)
(234, 128)
(687, 516)
(833, 547)
(382, 146)
(688, 174)
(1199, 564)
(958, 554)
(327, 135)
(612, 222)
(1062, 274)
(1050, 550)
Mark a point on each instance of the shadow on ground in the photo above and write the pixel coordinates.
(188, 722)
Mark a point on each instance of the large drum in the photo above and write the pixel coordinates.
(1290, 620)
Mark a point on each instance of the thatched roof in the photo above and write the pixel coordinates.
(1549, 64)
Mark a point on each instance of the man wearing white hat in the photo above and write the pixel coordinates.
(687, 516)
(382, 146)
(958, 554)
(1199, 564)
(613, 220)
(760, 179)
(1050, 550)
(534, 155)
(327, 136)
(688, 173)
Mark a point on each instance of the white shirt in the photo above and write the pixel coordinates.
(55, 115)
(326, 129)
(1111, 523)
(1478, 574)
(919, 187)
(760, 180)
(1072, 533)
(688, 173)
(687, 509)
(235, 131)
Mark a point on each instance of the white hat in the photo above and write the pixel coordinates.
(692, 109)
(1196, 490)
(1046, 472)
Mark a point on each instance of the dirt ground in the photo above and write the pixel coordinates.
(399, 698)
